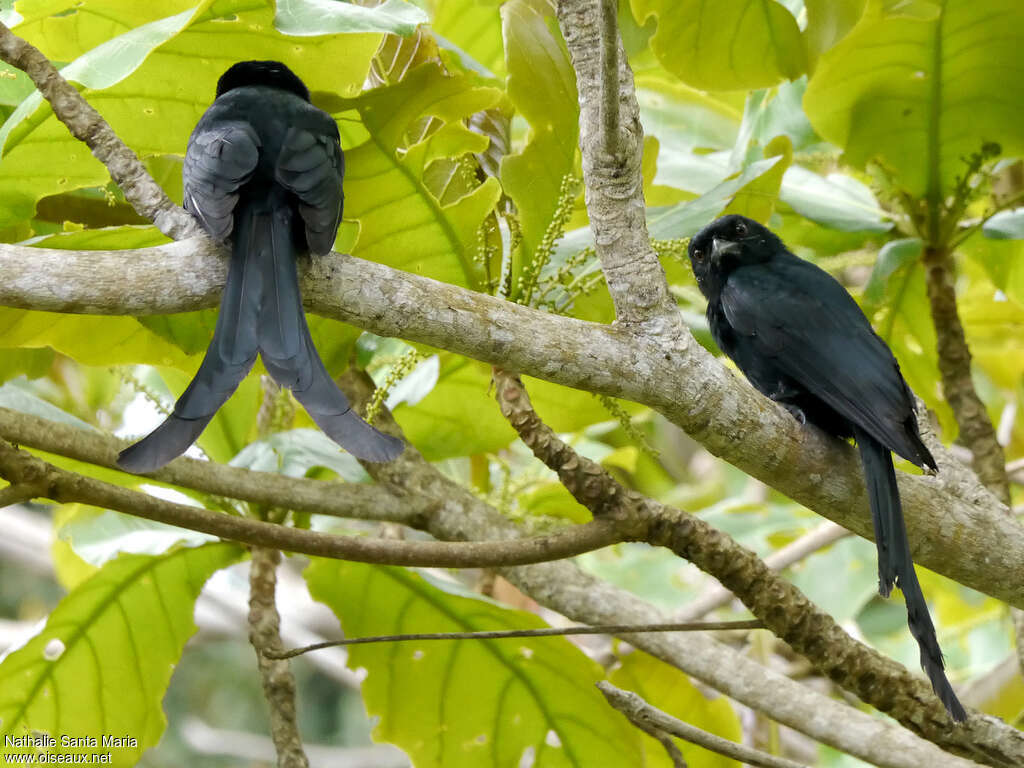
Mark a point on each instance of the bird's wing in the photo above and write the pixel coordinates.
(799, 316)
(220, 158)
(311, 166)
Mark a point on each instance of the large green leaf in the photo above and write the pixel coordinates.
(103, 661)
(472, 703)
(725, 44)
(323, 17)
(828, 22)
(542, 87)
(402, 223)
(671, 691)
(474, 26)
(153, 105)
(920, 86)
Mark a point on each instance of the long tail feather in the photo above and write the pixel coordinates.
(228, 359)
(896, 567)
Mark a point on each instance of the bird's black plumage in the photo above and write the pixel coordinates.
(801, 339)
(264, 168)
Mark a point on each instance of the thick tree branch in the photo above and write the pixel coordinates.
(646, 717)
(21, 467)
(952, 531)
(877, 680)
(614, 185)
(976, 430)
(563, 587)
(86, 125)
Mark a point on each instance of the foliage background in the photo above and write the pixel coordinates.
(846, 125)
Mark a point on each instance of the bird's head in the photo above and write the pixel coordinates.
(728, 243)
(271, 74)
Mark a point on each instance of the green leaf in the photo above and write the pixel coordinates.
(920, 91)
(828, 22)
(836, 200)
(102, 663)
(469, 703)
(99, 538)
(671, 691)
(756, 199)
(474, 27)
(684, 219)
(32, 363)
(325, 17)
(402, 222)
(295, 452)
(542, 86)
(727, 44)
(155, 105)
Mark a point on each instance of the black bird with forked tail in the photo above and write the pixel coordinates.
(264, 168)
(801, 339)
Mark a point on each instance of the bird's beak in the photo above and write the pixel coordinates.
(723, 248)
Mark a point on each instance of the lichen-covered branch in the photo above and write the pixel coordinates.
(563, 587)
(952, 530)
(879, 681)
(614, 185)
(976, 430)
(22, 468)
(86, 125)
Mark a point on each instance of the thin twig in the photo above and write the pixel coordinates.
(18, 466)
(275, 672)
(85, 124)
(640, 712)
(604, 629)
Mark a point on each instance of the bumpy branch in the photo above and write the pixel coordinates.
(563, 587)
(976, 430)
(811, 632)
(86, 125)
(684, 383)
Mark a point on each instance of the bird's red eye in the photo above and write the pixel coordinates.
(741, 228)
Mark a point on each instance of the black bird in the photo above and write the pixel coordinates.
(801, 339)
(263, 167)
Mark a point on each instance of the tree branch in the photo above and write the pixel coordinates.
(976, 430)
(823, 536)
(877, 680)
(275, 672)
(682, 381)
(21, 467)
(614, 184)
(564, 588)
(86, 125)
(647, 718)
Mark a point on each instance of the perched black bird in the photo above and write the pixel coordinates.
(802, 340)
(264, 167)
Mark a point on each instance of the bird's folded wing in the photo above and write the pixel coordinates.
(816, 334)
(220, 158)
(312, 166)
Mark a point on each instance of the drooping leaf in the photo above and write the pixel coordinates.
(921, 87)
(828, 22)
(102, 663)
(470, 703)
(756, 200)
(726, 44)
